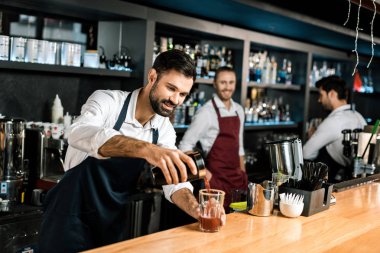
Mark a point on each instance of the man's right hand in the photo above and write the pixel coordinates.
(170, 159)
(165, 159)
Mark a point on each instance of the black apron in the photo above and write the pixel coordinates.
(334, 167)
(87, 208)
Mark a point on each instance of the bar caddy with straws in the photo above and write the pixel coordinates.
(363, 148)
(286, 160)
(296, 177)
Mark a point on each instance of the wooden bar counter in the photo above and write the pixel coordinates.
(351, 225)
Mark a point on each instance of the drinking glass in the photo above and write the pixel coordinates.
(211, 207)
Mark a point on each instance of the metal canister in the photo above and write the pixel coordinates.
(260, 199)
(12, 135)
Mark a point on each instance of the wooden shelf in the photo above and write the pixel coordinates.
(270, 125)
(209, 81)
(374, 94)
(10, 65)
(314, 89)
(252, 126)
(278, 86)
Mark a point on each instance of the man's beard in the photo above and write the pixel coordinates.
(157, 104)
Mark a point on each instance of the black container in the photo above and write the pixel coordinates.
(314, 201)
(157, 177)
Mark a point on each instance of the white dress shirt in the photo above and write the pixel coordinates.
(205, 126)
(329, 134)
(95, 126)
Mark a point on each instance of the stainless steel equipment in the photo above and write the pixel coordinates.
(286, 157)
(260, 198)
(363, 148)
(12, 134)
(46, 158)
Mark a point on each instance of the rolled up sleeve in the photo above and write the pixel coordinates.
(171, 188)
(90, 130)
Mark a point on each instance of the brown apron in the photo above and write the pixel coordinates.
(223, 160)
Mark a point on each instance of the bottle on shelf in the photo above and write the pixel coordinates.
(281, 78)
(170, 45)
(248, 111)
(155, 50)
(229, 61)
(251, 65)
(289, 74)
(201, 98)
(314, 75)
(273, 75)
(205, 60)
(163, 44)
(214, 62)
(287, 113)
(369, 87)
(198, 59)
(265, 74)
(323, 70)
(57, 111)
(275, 111)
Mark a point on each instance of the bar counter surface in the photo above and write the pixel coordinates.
(351, 225)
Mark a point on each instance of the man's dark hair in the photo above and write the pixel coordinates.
(221, 69)
(334, 83)
(174, 60)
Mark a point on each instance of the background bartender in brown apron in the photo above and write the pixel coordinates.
(218, 126)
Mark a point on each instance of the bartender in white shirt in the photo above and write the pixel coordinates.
(109, 143)
(325, 142)
(219, 126)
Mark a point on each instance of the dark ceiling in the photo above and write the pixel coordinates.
(303, 20)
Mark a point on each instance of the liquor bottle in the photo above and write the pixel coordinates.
(281, 78)
(251, 65)
(229, 62)
(205, 60)
(275, 111)
(163, 44)
(314, 75)
(198, 60)
(187, 50)
(265, 75)
(223, 57)
(157, 177)
(287, 112)
(155, 50)
(170, 43)
(289, 75)
(248, 111)
(323, 70)
(369, 87)
(201, 98)
(214, 63)
(273, 76)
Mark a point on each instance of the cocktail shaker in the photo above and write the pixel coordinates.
(157, 177)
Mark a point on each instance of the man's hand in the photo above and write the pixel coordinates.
(185, 200)
(165, 159)
(168, 160)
